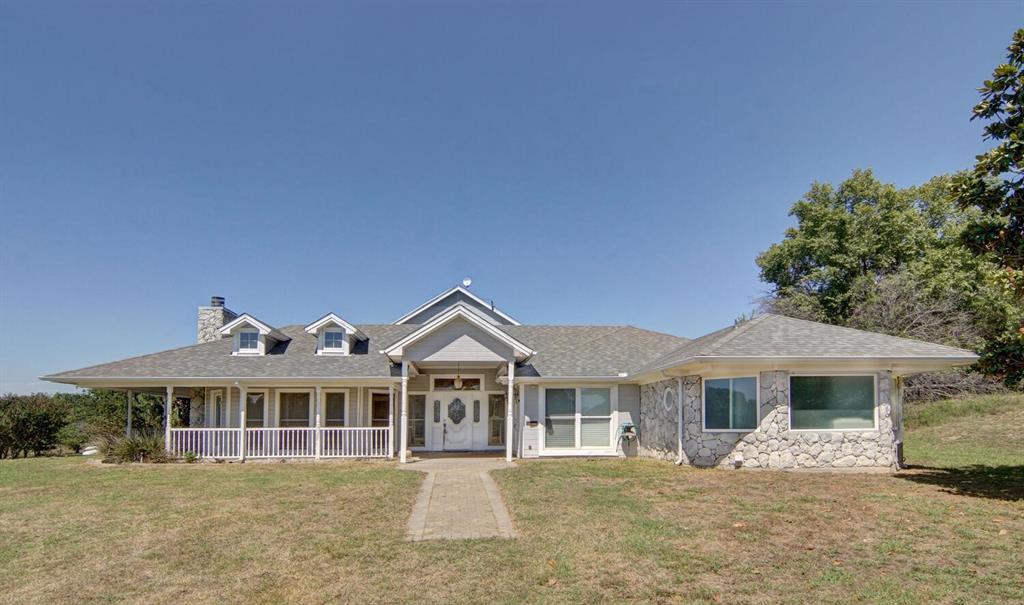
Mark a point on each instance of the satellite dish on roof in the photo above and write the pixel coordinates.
(467, 282)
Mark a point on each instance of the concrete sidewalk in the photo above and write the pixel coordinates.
(458, 500)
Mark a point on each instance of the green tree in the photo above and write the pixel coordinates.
(996, 184)
(870, 255)
(846, 239)
(29, 423)
(995, 188)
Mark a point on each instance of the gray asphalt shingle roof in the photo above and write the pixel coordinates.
(772, 335)
(561, 351)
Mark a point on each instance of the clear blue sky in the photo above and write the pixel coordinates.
(584, 162)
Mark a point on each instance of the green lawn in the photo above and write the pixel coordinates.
(949, 531)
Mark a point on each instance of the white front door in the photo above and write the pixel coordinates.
(457, 420)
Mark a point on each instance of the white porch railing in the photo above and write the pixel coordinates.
(282, 442)
(205, 443)
(354, 442)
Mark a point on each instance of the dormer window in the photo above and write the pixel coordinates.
(334, 340)
(334, 335)
(251, 336)
(248, 341)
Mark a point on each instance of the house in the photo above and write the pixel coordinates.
(458, 373)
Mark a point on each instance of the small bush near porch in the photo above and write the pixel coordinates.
(590, 531)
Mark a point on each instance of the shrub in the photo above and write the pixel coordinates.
(29, 423)
(137, 448)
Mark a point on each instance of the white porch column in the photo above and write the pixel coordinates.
(319, 444)
(404, 428)
(168, 401)
(131, 399)
(242, 404)
(391, 421)
(508, 412)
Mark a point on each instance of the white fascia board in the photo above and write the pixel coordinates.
(247, 319)
(448, 293)
(458, 310)
(332, 318)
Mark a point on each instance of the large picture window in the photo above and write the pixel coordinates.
(577, 417)
(832, 402)
(730, 404)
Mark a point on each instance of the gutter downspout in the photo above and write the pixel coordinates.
(679, 434)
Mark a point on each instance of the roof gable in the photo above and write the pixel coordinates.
(447, 299)
(331, 319)
(248, 320)
(456, 312)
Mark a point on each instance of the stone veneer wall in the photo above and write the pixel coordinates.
(773, 445)
(210, 320)
(658, 422)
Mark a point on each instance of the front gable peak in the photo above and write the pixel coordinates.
(447, 299)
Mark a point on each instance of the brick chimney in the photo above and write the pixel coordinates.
(211, 319)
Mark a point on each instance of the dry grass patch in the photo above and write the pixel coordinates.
(590, 531)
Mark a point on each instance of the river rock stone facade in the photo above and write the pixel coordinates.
(772, 445)
(210, 320)
(659, 417)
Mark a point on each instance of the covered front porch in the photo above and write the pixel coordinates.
(242, 420)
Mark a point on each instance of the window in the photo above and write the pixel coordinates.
(379, 404)
(595, 417)
(578, 417)
(294, 409)
(832, 402)
(334, 340)
(417, 420)
(448, 384)
(249, 341)
(730, 404)
(334, 409)
(560, 418)
(495, 420)
(254, 409)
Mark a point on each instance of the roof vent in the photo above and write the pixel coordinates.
(216, 301)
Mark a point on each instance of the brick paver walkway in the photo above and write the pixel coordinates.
(458, 500)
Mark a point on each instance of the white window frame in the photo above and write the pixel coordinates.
(323, 349)
(704, 401)
(874, 392)
(613, 419)
(434, 377)
(266, 405)
(312, 411)
(261, 342)
(345, 408)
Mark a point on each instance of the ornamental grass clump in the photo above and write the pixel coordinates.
(137, 448)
